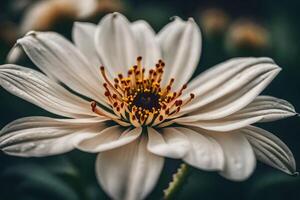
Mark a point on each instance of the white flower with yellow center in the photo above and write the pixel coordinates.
(135, 106)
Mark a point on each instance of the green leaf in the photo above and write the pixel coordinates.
(37, 181)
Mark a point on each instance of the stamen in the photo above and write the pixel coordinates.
(140, 100)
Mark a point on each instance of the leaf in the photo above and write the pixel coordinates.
(275, 186)
(37, 181)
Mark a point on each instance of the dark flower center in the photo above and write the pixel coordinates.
(147, 100)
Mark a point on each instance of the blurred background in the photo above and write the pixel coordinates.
(230, 28)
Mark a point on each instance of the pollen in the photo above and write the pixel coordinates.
(139, 99)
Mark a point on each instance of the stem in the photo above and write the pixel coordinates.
(178, 180)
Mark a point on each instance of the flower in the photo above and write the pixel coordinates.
(245, 33)
(137, 109)
(45, 15)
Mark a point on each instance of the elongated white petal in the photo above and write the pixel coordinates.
(60, 59)
(270, 108)
(84, 38)
(270, 150)
(43, 136)
(110, 138)
(148, 47)
(262, 109)
(180, 43)
(129, 172)
(38, 122)
(240, 160)
(42, 91)
(223, 125)
(228, 87)
(204, 152)
(116, 44)
(168, 142)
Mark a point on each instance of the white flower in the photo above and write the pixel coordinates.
(134, 116)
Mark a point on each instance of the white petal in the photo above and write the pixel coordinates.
(38, 122)
(84, 38)
(262, 109)
(110, 138)
(148, 47)
(228, 87)
(270, 150)
(223, 125)
(116, 44)
(270, 108)
(240, 160)
(129, 172)
(42, 91)
(43, 136)
(15, 54)
(60, 59)
(204, 153)
(180, 43)
(169, 142)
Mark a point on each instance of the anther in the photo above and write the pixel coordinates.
(93, 105)
(178, 102)
(161, 118)
(107, 94)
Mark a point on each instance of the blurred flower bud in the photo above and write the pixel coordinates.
(214, 21)
(8, 33)
(44, 15)
(247, 35)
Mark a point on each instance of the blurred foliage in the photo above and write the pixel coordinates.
(72, 176)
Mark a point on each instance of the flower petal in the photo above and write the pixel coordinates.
(129, 172)
(180, 43)
(60, 59)
(228, 87)
(109, 138)
(240, 160)
(38, 89)
(204, 153)
(262, 109)
(44, 136)
(116, 44)
(270, 150)
(223, 125)
(169, 142)
(270, 108)
(148, 47)
(83, 35)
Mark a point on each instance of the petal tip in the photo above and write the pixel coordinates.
(191, 19)
(31, 33)
(175, 18)
(295, 174)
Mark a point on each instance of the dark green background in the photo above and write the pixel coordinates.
(71, 176)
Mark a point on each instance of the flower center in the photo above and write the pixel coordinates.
(146, 101)
(139, 99)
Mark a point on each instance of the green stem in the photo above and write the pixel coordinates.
(178, 180)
